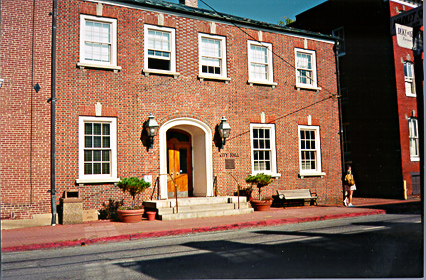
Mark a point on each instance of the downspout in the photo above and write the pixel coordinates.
(339, 98)
(53, 115)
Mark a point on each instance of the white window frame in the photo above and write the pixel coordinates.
(318, 170)
(410, 85)
(413, 135)
(83, 62)
(223, 68)
(273, 155)
(98, 178)
(269, 66)
(172, 31)
(313, 69)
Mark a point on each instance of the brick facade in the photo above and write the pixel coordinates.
(131, 96)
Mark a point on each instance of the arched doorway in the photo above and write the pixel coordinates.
(200, 156)
(179, 163)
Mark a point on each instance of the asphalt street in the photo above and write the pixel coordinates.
(376, 246)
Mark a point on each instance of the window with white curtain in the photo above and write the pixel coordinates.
(413, 134)
(98, 41)
(410, 86)
(260, 63)
(306, 73)
(212, 51)
(159, 50)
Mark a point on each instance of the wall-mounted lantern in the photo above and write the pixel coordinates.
(224, 130)
(151, 127)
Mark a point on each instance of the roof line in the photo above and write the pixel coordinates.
(180, 8)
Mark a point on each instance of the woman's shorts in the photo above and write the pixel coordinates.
(350, 188)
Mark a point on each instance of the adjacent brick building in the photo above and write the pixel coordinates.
(118, 62)
(380, 111)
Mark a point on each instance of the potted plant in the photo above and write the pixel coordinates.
(133, 186)
(260, 180)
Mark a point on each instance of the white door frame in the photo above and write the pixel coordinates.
(202, 165)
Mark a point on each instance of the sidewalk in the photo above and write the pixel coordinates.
(45, 237)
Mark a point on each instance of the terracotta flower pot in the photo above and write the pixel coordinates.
(151, 215)
(130, 216)
(261, 205)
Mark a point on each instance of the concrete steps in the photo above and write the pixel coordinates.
(198, 207)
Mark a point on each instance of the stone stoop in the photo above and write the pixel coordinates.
(198, 207)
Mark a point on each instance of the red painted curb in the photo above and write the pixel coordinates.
(136, 236)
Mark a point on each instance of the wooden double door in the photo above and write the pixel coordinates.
(179, 163)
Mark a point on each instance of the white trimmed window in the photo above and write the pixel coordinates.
(260, 63)
(159, 50)
(263, 152)
(306, 72)
(410, 86)
(413, 134)
(98, 42)
(212, 51)
(309, 151)
(97, 149)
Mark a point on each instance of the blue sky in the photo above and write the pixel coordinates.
(270, 11)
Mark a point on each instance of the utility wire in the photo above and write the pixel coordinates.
(254, 39)
(331, 95)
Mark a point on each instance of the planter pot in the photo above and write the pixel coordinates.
(261, 205)
(130, 216)
(151, 215)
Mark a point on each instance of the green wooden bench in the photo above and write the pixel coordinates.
(304, 196)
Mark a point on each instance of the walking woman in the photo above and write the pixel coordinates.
(349, 187)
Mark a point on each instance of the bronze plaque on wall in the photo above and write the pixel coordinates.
(229, 163)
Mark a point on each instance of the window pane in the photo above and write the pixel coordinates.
(105, 155)
(255, 143)
(106, 142)
(255, 133)
(97, 142)
(88, 141)
(97, 129)
(105, 129)
(96, 155)
(105, 168)
(87, 155)
(87, 128)
(87, 168)
(97, 168)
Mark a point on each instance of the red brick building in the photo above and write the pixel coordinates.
(120, 61)
(380, 112)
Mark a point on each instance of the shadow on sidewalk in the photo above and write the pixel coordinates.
(412, 207)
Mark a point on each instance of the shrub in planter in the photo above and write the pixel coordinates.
(260, 180)
(133, 186)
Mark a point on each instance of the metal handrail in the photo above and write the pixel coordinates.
(177, 208)
(238, 187)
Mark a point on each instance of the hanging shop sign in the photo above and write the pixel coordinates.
(404, 36)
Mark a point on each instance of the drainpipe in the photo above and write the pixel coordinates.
(53, 115)
(339, 98)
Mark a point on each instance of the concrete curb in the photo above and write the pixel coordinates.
(137, 236)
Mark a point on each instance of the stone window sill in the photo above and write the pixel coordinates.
(108, 67)
(312, 174)
(212, 77)
(147, 72)
(263, 83)
(95, 181)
